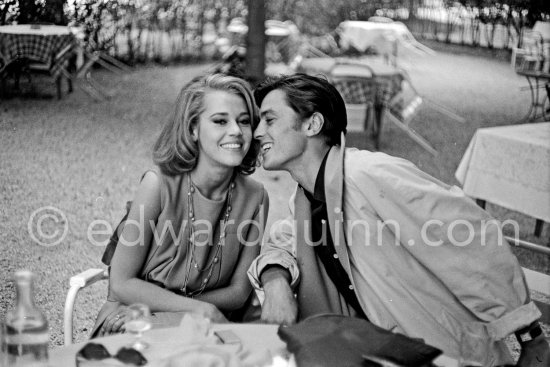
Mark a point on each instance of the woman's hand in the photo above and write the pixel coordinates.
(211, 312)
(114, 323)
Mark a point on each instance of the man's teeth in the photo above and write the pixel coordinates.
(231, 146)
(266, 147)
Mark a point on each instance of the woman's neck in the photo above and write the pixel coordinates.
(212, 184)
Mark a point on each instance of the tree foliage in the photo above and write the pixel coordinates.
(144, 24)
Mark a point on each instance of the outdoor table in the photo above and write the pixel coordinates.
(386, 79)
(508, 166)
(259, 342)
(38, 43)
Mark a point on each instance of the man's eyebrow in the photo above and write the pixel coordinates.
(263, 113)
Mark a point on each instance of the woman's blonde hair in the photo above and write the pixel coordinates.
(175, 152)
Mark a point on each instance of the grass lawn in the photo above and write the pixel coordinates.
(85, 158)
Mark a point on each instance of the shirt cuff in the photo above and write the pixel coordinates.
(261, 263)
(513, 321)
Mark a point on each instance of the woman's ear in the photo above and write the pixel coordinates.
(195, 133)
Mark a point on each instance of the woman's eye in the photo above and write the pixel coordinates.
(220, 121)
(244, 122)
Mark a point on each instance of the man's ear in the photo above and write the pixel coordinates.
(314, 124)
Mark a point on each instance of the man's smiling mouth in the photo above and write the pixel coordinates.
(266, 147)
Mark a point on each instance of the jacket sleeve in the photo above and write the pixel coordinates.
(454, 239)
(278, 249)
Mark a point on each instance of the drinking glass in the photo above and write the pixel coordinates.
(196, 324)
(138, 320)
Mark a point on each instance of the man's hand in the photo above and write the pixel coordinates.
(280, 306)
(535, 353)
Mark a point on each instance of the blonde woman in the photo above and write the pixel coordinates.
(199, 216)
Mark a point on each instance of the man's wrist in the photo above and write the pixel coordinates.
(274, 272)
(529, 333)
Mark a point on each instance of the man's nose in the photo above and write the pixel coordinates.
(260, 130)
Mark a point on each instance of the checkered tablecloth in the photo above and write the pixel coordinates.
(377, 89)
(36, 46)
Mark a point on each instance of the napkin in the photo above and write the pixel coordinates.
(201, 355)
(336, 340)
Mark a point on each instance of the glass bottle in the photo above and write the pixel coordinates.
(26, 327)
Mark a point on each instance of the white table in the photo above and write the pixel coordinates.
(510, 166)
(260, 340)
(260, 344)
(383, 36)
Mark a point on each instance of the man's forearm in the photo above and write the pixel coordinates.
(280, 306)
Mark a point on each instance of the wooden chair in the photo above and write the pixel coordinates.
(82, 76)
(63, 57)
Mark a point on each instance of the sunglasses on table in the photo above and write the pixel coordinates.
(97, 352)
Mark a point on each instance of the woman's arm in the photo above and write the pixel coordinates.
(234, 296)
(131, 253)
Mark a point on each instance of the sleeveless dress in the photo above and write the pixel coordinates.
(167, 263)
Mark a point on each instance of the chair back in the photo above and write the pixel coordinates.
(355, 82)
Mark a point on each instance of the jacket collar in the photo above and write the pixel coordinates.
(334, 191)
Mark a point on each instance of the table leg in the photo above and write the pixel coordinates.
(538, 227)
(546, 103)
(481, 203)
(58, 86)
(378, 117)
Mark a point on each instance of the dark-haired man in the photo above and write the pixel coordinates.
(401, 249)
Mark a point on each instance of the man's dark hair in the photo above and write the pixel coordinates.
(307, 94)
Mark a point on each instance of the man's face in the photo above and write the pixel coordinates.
(280, 133)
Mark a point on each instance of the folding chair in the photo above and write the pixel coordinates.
(404, 106)
(78, 282)
(84, 72)
(61, 59)
(355, 82)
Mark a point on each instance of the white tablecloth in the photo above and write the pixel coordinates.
(510, 166)
(381, 36)
(260, 344)
(40, 30)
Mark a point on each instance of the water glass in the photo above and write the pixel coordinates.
(137, 321)
(196, 325)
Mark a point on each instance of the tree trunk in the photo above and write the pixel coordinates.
(53, 12)
(255, 40)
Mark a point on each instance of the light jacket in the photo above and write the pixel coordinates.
(424, 259)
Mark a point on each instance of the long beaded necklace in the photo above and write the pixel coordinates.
(192, 263)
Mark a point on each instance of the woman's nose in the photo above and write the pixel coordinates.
(235, 128)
